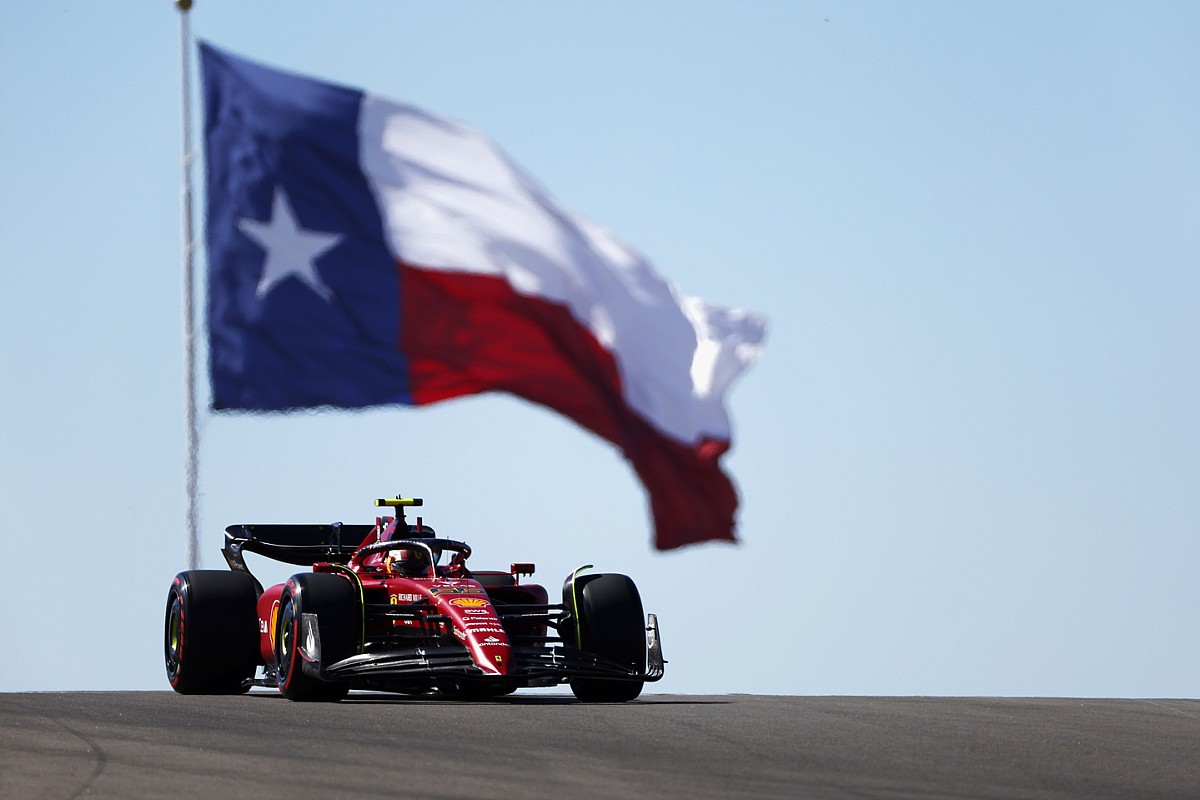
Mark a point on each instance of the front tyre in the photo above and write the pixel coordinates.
(334, 601)
(610, 624)
(210, 636)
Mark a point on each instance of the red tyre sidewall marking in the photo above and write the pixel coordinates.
(179, 650)
(293, 645)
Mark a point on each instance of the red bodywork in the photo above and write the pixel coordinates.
(461, 606)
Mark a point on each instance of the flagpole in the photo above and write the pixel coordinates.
(192, 453)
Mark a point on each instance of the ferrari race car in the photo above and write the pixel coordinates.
(393, 607)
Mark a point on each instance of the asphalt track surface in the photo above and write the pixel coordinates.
(158, 744)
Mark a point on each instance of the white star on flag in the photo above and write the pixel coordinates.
(291, 250)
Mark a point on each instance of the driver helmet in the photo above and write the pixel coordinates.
(410, 562)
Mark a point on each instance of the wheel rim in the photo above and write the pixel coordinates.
(174, 638)
(283, 639)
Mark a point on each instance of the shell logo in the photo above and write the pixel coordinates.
(468, 602)
(274, 622)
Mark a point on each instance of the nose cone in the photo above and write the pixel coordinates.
(477, 626)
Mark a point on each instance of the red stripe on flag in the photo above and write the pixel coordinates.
(466, 333)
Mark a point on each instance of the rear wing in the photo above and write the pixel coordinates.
(303, 545)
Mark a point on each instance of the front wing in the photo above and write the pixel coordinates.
(545, 665)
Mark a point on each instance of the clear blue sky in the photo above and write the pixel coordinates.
(969, 459)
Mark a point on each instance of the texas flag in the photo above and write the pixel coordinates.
(363, 252)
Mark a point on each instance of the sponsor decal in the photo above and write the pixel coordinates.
(477, 611)
(459, 634)
(491, 640)
(274, 622)
(405, 597)
(457, 590)
(469, 602)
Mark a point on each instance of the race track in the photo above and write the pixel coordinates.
(158, 744)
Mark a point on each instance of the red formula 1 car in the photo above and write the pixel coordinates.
(392, 607)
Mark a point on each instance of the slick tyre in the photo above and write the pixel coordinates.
(335, 603)
(210, 637)
(610, 625)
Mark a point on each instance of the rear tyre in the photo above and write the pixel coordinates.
(608, 610)
(334, 600)
(210, 636)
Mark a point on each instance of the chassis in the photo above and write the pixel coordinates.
(362, 618)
